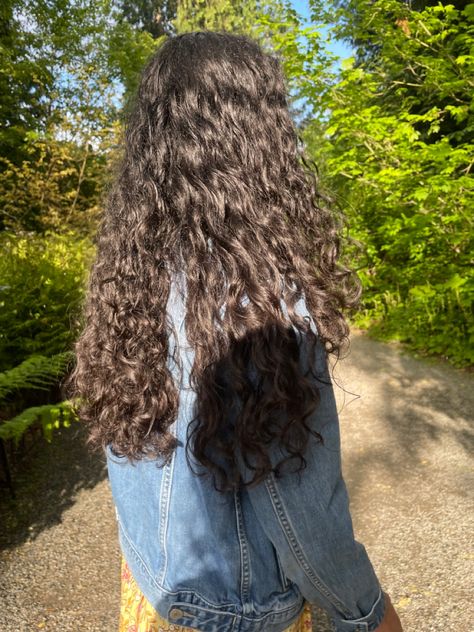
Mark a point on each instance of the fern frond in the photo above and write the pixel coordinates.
(50, 415)
(37, 371)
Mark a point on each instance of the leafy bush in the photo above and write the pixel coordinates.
(397, 150)
(37, 373)
(42, 282)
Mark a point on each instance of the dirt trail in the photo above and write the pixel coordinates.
(406, 427)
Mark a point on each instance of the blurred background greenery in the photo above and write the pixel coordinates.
(390, 128)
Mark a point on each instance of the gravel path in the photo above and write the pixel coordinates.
(407, 440)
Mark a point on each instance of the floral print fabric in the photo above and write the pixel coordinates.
(137, 614)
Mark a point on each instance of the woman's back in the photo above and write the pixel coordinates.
(242, 560)
(213, 184)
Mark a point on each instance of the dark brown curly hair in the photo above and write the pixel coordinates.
(214, 183)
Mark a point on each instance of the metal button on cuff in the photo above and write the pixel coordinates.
(175, 613)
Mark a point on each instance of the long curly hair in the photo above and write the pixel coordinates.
(213, 183)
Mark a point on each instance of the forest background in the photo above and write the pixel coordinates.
(390, 130)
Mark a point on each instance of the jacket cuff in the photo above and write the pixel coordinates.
(368, 623)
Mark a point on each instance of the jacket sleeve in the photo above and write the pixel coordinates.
(307, 518)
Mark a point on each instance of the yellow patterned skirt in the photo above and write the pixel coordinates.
(137, 614)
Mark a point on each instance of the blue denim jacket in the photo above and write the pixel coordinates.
(244, 561)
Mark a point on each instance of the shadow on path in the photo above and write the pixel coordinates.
(46, 484)
(407, 440)
(407, 409)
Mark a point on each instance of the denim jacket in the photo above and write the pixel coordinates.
(244, 561)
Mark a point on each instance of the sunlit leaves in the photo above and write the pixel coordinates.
(398, 151)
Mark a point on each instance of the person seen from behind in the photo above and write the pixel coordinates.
(215, 300)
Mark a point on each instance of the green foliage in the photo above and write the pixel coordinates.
(50, 416)
(151, 16)
(42, 282)
(42, 286)
(36, 372)
(57, 185)
(391, 132)
(397, 150)
(215, 15)
(65, 70)
(25, 79)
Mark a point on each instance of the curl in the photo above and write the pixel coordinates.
(212, 183)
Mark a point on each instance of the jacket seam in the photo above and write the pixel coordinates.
(211, 610)
(165, 499)
(244, 554)
(273, 612)
(284, 579)
(295, 546)
(161, 588)
(137, 554)
(211, 607)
